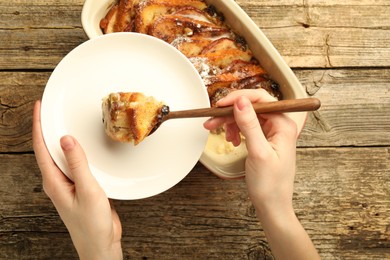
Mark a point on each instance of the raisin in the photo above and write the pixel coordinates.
(165, 110)
(240, 41)
(213, 12)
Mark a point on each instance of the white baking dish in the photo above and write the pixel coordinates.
(224, 165)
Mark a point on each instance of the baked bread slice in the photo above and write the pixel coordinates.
(119, 18)
(148, 11)
(168, 27)
(190, 46)
(130, 116)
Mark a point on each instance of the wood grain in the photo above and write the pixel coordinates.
(326, 34)
(339, 50)
(355, 108)
(359, 37)
(343, 220)
(344, 94)
(18, 92)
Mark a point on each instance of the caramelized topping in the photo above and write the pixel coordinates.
(199, 31)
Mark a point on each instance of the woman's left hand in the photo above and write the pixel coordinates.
(92, 222)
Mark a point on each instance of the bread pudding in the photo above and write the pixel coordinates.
(130, 116)
(199, 31)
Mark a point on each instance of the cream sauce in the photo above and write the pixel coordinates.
(224, 152)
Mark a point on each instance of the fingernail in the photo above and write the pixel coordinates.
(67, 143)
(243, 103)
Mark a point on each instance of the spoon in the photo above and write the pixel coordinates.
(282, 106)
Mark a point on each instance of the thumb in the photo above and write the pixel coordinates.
(77, 162)
(247, 121)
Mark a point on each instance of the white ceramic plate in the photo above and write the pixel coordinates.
(127, 62)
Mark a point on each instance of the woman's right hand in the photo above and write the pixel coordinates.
(270, 140)
(269, 170)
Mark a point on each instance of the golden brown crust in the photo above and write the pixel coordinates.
(168, 27)
(199, 14)
(235, 72)
(108, 22)
(130, 116)
(221, 56)
(191, 46)
(148, 11)
(124, 15)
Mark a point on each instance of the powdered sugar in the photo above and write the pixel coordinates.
(179, 40)
(204, 68)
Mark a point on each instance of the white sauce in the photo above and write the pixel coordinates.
(224, 152)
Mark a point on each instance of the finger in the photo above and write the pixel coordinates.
(78, 164)
(213, 123)
(254, 95)
(249, 125)
(42, 156)
(53, 178)
(233, 133)
(281, 130)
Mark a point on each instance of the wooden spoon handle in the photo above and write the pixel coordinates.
(282, 106)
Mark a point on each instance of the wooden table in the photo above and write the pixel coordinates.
(340, 51)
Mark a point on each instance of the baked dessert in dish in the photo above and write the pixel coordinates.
(221, 56)
(130, 116)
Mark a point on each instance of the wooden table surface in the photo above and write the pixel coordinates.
(340, 51)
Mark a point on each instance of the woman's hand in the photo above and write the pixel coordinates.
(92, 222)
(270, 141)
(269, 170)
